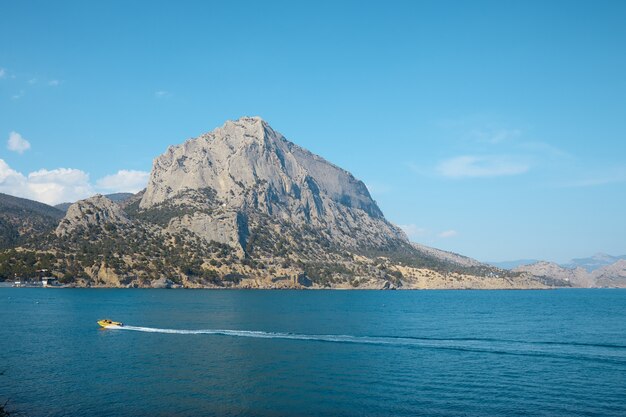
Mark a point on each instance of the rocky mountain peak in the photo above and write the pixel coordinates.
(246, 168)
(97, 211)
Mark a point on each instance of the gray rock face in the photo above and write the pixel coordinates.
(246, 169)
(97, 211)
(613, 275)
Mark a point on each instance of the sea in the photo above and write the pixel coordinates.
(313, 353)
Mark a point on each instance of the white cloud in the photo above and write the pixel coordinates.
(413, 231)
(65, 184)
(3, 72)
(54, 83)
(124, 181)
(161, 94)
(495, 136)
(17, 143)
(50, 187)
(59, 185)
(544, 149)
(447, 234)
(9, 178)
(471, 166)
(607, 176)
(18, 96)
(32, 81)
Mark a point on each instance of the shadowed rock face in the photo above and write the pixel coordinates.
(246, 169)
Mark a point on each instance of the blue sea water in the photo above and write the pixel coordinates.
(353, 353)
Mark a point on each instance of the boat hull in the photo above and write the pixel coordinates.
(108, 323)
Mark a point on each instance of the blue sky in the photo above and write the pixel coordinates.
(492, 129)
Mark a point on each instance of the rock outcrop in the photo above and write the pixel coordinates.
(94, 212)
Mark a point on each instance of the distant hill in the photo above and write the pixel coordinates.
(119, 197)
(611, 275)
(63, 206)
(115, 197)
(21, 218)
(589, 264)
(594, 262)
(513, 264)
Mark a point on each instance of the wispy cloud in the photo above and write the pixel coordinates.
(487, 148)
(32, 81)
(18, 95)
(543, 149)
(376, 187)
(447, 234)
(17, 143)
(608, 176)
(413, 231)
(3, 73)
(477, 166)
(54, 83)
(495, 135)
(161, 94)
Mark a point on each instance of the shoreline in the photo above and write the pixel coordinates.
(308, 289)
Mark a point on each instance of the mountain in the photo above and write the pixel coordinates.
(244, 207)
(590, 264)
(20, 217)
(578, 277)
(612, 275)
(244, 172)
(594, 262)
(513, 264)
(119, 198)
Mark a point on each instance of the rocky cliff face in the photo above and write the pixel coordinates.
(95, 212)
(245, 171)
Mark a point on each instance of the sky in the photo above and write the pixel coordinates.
(494, 129)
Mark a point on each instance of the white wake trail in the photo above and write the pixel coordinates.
(615, 354)
(267, 335)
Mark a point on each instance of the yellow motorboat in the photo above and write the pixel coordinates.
(109, 323)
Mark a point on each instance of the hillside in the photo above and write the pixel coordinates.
(22, 219)
(611, 275)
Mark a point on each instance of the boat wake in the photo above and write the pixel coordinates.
(565, 350)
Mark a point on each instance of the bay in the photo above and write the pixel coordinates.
(354, 353)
